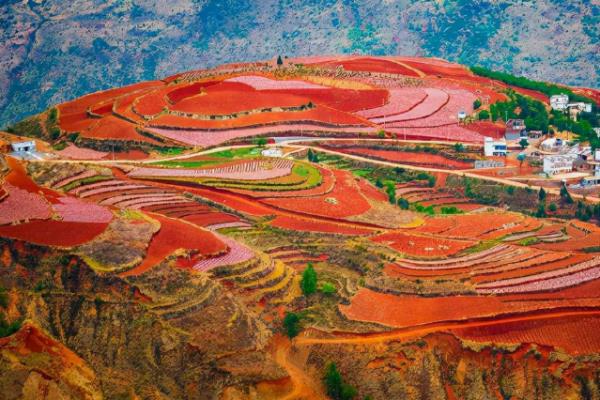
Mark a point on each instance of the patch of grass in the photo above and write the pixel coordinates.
(592, 249)
(529, 241)
(481, 246)
(85, 181)
(242, 152)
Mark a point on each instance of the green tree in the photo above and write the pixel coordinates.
(523, 143)
(541, 210)
(476, 104)
(336, 388)
(552, 207)
(291, 323)
(381, 134)
(565, 196)
(279, 61)
(310, 155)
(379, 183)
(391, 192)
(260, 142)
(521, 157)
(542, 195)
(484, 115)
(6, 328)
(459, 147)
(309, 280)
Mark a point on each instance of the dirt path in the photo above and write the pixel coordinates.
(450, 172)
(419, 331)
(304, 386)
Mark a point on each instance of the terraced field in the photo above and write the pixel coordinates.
(253, 270)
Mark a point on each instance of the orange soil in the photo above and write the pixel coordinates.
(575, 334)
(173, 235)
(405, 311)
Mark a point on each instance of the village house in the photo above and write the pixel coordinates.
(515, 129)
(493, 147)
(559, 102)
(576, 108)
(23, 147)
(558, 164)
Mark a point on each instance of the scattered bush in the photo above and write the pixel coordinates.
(328, 288)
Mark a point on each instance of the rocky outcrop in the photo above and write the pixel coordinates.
(115, 328)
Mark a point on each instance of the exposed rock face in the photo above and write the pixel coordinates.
(57, 50)
(34, 366)
(439, 367)
(153, 347)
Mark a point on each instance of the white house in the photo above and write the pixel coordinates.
(493, 147)
(556, 164)
(23, 147)
(552, 144)
(580, 106)
(559, 102)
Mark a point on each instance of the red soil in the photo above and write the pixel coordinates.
(422, 246)
(405, 311)
(321, 114)
(210, 218)
(425, 159)
(575, 334)
(174, 235)
(373, 65)
(54, 233)
(229, 102)
(487, 128)
(187, 90)
(345, 200)
(112, 127)
(347, 100)
(310, 225)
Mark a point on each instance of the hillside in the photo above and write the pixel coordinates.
(57, 50)
(305, 228)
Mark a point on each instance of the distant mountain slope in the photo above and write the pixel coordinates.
(56, 50)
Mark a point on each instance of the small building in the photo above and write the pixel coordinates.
(552, 144)
(515, 129)
(576, 108)
(594, 164)
(493, 147)
(555, 164)
(23, 147)
(535, 134)
(272, 152)
(559, 102)
(462, 115)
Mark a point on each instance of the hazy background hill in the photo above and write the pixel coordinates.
(55, 50)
